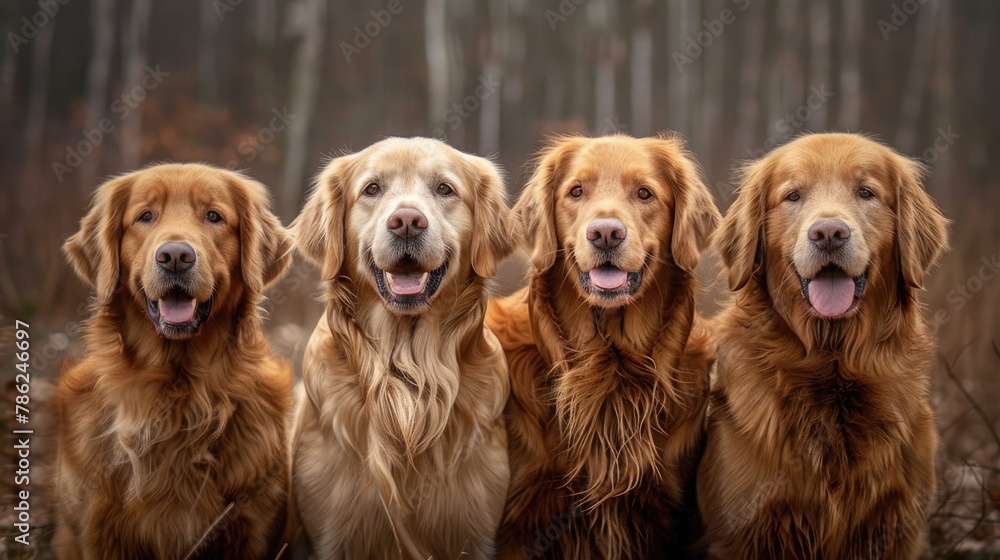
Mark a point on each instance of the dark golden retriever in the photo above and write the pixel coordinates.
(608, 363)
(400, 447)
(178, 411)
(821, 435)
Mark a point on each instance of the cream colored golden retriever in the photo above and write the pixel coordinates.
(176, 417)
(400, 448)
(608, 363)
(821, 437)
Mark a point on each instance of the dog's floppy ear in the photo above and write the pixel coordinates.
(319, 230)
(265, 246)
(534, 212)
(740, 239)
(921, 229)
(491, 235)
(93, 250)
(695, 213)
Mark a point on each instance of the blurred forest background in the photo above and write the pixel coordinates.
(92, 88)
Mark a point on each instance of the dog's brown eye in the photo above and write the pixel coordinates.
(865, 192)
(792, 196)
(644, 193)
(145, 218)
(576, 192)
(444, 189)
(213, 216)
(372, 189)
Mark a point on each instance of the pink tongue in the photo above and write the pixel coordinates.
(831, 293)
(406, 284)
(608, 277)
(176, 309)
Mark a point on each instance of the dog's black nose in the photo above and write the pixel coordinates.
(829, 235)
(175, 256)
(407, 222)
(606, 233)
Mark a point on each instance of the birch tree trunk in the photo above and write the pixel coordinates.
(305, 89)
(134, 68)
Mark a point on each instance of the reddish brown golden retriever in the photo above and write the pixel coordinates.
(821, 435)
(608, 367)
(179, 408)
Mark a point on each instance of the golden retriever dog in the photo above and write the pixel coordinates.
(172, 433)
(608, 363)
(400, 447)
(821, 436)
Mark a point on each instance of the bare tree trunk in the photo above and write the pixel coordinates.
(496, 47)
(916, 82)
(713, 90)
(102, 23)
(820, 29)
(693, 26)
(436, 46)
(305, 89)
(849, 117)
(135, 66)
(641, 71)
(749, 90)
(28, 199)
(207, 74)
(582, 71)
(943, 87)
(603, 20)
(679, 87)
(977, 53)
(791, 54)
(41, 59)
(266, 18)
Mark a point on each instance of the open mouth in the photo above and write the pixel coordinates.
(176, 314)
(407, 285)
(610, 282)
(831, 292)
